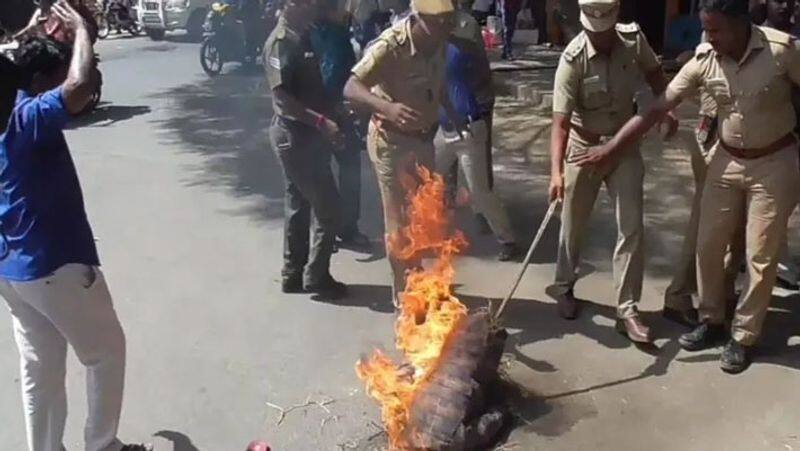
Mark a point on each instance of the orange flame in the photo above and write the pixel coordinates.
(429, 311)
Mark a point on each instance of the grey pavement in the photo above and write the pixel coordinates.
(185, 197)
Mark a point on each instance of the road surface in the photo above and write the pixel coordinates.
(185, 197)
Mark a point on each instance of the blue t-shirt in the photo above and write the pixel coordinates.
(43, 223)
(461, 78)
(336, 56)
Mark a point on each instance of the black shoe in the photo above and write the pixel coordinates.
(292, 285)
(139, 447)
(509, 252)
(355, 239)
(787, 283)
(686, 318)
(329, 288)
(704, 336)
(567, 304)
(735, 357)
(482, 224)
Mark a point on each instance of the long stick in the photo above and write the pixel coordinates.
(527, 262)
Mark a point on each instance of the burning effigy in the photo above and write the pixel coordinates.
(436, 397)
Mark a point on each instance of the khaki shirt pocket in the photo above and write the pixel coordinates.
(718, 89)
(594, 93)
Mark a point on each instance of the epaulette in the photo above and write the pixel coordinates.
(575, 47)
(777, 36)
(632, 27)
(703, 50)
(396, 34)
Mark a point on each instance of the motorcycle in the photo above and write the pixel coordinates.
(119, 16)
(225, 40)
(97, 76)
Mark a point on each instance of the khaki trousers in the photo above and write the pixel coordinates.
(764, 190)
(624, 180)
(679, 293)
(394, 157)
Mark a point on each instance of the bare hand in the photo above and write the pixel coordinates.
(594, 156)
(556, 187)
(669, 126)
(404, 117)
(67, 15)
(331, 131)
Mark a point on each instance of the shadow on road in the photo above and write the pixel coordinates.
(374, 297)
(225, 119)
(107, 114)
(180, 442)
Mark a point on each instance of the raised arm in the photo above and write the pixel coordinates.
(79, 86)
(683, 85)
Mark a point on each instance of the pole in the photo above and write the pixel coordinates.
(539, 234)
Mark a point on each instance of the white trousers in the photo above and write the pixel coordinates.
(72, 306)
(470, 153)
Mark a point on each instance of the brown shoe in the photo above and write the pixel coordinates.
(634, 329)
(567, 304)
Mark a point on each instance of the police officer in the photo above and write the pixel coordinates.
(400, 80)
(593, 97)
(749, 71)
(302, 135)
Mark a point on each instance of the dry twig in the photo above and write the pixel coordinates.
(350, 444)
(334, 418)
(309, 402)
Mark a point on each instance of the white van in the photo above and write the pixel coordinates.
(159, 16)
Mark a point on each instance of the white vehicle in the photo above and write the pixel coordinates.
(159, 16)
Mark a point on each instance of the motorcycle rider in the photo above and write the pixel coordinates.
(251, 14)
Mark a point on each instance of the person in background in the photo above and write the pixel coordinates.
(467, 72)
(49, 267)
(749, 71)
(539, 15)
(779, 17)
(509, 10)
(593, 97)
(331, 41)
(302, 134)
(400, 81)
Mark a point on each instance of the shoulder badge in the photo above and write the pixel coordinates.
(703, 50)
(632, 27)
(776, 36)
(575, 47)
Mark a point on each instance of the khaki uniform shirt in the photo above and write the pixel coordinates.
(598, 90)
(291, 64)
(398, 72)
(753, 96)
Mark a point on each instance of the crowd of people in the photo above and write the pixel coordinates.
(425, 84)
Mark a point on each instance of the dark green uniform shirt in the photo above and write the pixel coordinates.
(291, 64)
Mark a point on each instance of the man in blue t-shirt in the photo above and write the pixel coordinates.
(49, 268)
(331, 41)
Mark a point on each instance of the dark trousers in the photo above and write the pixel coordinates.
(539, 13)
(348, 160)
(305, 157)
(510, 10)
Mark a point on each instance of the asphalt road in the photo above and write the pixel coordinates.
(185, 197)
